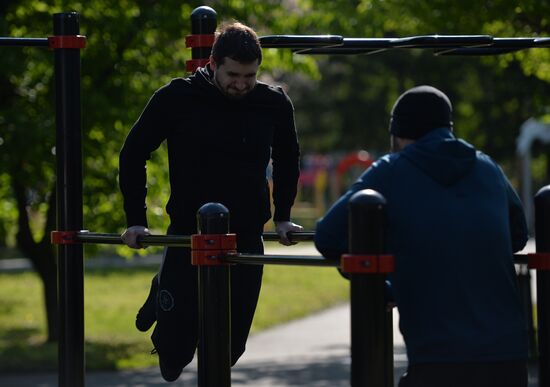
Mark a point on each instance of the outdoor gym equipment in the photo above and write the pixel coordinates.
(366, 368)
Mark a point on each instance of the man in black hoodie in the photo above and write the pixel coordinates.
(222, 128)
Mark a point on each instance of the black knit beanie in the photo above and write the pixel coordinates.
(420, 110)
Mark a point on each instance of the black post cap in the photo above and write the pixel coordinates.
(203, 20)
(213, 218)
(66, 23)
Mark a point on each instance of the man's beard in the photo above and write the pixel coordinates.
(235, 96)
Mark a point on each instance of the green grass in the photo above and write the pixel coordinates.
(112, 297)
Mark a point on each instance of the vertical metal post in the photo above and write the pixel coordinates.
(203, 22)
(214, 350)
(371, 323)
(69, 204)
(203, 27)
(542, 234)
(524, 286)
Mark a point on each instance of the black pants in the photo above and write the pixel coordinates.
(498, 374)
(176, 332)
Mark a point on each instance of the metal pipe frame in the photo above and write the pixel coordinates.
(294, 260)
(145, 240)
(174, 240)
(24, 42)
(467, 45)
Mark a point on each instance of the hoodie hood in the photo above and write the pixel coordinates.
(441, 156)
(202, 79)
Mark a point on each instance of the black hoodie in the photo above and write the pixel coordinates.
(218, 151)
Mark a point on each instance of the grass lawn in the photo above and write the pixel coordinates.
(112, 298)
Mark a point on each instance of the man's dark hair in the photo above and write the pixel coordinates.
(238, 42)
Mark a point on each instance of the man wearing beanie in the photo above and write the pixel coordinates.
(454, 222)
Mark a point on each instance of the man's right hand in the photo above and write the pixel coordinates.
(129, 237)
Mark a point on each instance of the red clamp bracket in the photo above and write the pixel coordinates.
(193, 64)
(206, 249)
(64, 238)
(374, 264)
(539, 261)
(66, 41)
(195, 41)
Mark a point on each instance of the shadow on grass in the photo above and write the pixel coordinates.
(20, 351)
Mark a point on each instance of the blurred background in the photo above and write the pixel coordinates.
(342, 108)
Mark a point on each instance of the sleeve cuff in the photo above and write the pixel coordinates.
(136, 220)
(281, 215)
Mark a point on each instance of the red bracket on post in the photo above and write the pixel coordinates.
(66, 41)
(196, 41)
(64, 238)
(539, 261)
(206, 249)
(363, 263)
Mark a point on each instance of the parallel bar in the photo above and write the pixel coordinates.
(303, 236)
(146, 240)
(299, 260)
(185, 241)
(24, 42)
(175, 240)
(521, 259)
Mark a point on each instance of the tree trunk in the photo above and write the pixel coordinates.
(41, 254)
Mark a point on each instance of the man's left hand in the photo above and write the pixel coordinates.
(282, 228)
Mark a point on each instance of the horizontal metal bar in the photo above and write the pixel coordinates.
(302, 236)
(499, 46)
(176, 240)
(542, 42)
(521, 259)
(514, 42)
(307, 260)
(445, 44)
(481, 51)
(438, 41)
(297, 260)
(299, 41)
(185, 241)
(146, 240)
(24, 42)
